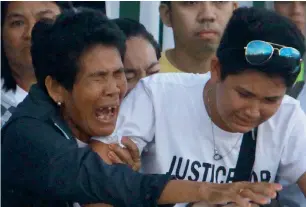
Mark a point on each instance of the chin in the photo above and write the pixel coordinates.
(241, 128)
(104, 131)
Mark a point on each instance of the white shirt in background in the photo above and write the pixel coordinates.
(9, 101)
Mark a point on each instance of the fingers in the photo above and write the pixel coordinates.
(132, 147)
(266, 189)
(256, 198)
(222, 194)
(118, 153)
(114, 158)
(261, 192)
(102, 150)
(243, 194)
(134, 152)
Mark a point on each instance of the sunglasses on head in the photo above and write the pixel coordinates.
(258, 52)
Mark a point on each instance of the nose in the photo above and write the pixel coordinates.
(27, 33)
(253, 111)
(206, 12)
(112, 88)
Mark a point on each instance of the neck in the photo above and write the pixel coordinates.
(209, 97)
(24, 77)
(190, 63)
(82, 136)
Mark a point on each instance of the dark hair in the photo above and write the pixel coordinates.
(56, 48)
(6, 72)
(249, 24)
(168, 3)
(132, 28)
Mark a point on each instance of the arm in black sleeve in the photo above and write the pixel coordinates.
(38, 159)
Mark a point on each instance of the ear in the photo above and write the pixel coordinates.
(55, 90)
(215, 70)
(235, 4)
(164, 12)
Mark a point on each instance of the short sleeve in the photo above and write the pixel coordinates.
(293, 160)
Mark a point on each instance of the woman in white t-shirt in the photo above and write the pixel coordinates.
(191, 125)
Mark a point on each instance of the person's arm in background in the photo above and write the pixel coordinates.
(302, 183)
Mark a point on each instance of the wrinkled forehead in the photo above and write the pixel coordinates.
(31, 8)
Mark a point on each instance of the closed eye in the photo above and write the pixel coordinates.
(272, 99)
(244, 95)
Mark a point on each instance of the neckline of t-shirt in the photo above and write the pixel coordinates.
(167, 61)
(218, 132)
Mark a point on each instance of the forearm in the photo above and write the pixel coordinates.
(181, 191)
(302, 183)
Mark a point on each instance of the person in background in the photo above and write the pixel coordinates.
(142, 52)
(201, 136)
(80, 86)
(17, 73)
(295, 11)
(197, 27)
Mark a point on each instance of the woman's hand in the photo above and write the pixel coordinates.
(240, 193)
(114, 154)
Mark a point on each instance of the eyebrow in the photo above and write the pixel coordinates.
(152, 65)
(104, 73)
(254, 95)
(14, 15)
(97, 74)
(40, 13)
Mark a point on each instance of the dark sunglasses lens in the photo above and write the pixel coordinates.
(293, 54)
(290, 53)
(258, 52)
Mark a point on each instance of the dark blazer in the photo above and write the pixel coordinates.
(43, 166)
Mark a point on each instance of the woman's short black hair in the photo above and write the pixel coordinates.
(132, 28)
(57, 46)
(249, 24)
(6, 72)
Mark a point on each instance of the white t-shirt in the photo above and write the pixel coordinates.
(9, 101)
(165, 115)
(291, 196)
(302, 98)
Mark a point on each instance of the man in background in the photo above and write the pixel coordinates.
(197, 27)
(296, 12)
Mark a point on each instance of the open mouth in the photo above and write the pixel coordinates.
(107, 114)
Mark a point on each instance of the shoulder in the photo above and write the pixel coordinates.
(163, 80)
(31, 131)
(289, 105)
(289, 114)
